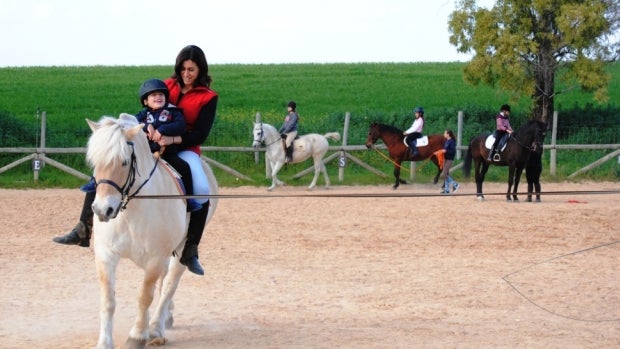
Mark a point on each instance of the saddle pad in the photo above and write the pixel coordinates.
(174, 174)
(420, 142)
(488, 143)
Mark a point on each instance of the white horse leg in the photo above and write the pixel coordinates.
(327, 181)
(162, 317)
(107, 303)
(317, 170)
(138, 335)
(275, 167)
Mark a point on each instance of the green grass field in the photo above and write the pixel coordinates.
(384, 92)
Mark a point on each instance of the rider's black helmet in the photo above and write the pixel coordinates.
(418, 110)
(505, 107)
(293, 105)
(153, 85)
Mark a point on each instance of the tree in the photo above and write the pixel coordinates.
(538, 48)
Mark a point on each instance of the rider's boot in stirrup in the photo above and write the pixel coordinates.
(289, 153)
(80, 235)
(189, 256)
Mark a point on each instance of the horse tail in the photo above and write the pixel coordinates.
(467, 162)
(332, 135)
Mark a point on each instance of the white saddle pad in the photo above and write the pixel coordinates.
(488, 143)
(420, 142)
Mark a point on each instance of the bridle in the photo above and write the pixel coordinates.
(261, 137)
(531, 147)
(131, 179)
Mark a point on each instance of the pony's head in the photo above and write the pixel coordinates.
(112, 150)
(377, 131)
(374, 132)
(259, 134)
(532, 134)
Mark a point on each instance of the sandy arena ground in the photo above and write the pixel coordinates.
(413, 272)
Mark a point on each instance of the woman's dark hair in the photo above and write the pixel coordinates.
(451, 134)
(196, 55)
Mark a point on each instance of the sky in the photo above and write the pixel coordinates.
(152, 32)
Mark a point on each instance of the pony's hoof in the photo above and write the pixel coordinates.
(158, 342)
(133, 343)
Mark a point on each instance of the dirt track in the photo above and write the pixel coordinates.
(431, 272)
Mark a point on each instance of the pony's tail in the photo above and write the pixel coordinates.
(332, 135)
(467, 163)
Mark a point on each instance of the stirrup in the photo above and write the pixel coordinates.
(496, 157)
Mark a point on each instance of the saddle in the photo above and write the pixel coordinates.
(420, 142)
(488, 143)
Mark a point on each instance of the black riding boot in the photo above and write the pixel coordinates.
(80, 235)
(189, 257)
(289, 153)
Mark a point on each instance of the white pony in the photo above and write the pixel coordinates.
(311, 145)
(146, 231)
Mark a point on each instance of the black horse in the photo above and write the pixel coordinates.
(515, 155)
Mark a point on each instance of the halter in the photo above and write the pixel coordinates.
(129, 182)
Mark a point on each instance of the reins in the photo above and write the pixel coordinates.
(531, 147)
(262, 132)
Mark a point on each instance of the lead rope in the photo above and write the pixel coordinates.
(424, 163)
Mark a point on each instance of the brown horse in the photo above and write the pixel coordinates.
(521, 144)
(395, 142)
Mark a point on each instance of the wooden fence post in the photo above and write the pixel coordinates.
(343, 156)
(553, 155)
(459, 134)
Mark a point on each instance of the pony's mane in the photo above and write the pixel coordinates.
(389, 128)
(529, 124)
(108, 144)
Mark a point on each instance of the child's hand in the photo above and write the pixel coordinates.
(156, 136)
(149, 131)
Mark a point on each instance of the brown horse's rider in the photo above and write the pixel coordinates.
(415, 131)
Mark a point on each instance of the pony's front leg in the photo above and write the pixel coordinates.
(275, 167)
(138, 335)
(162, 318)
(106, 271)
